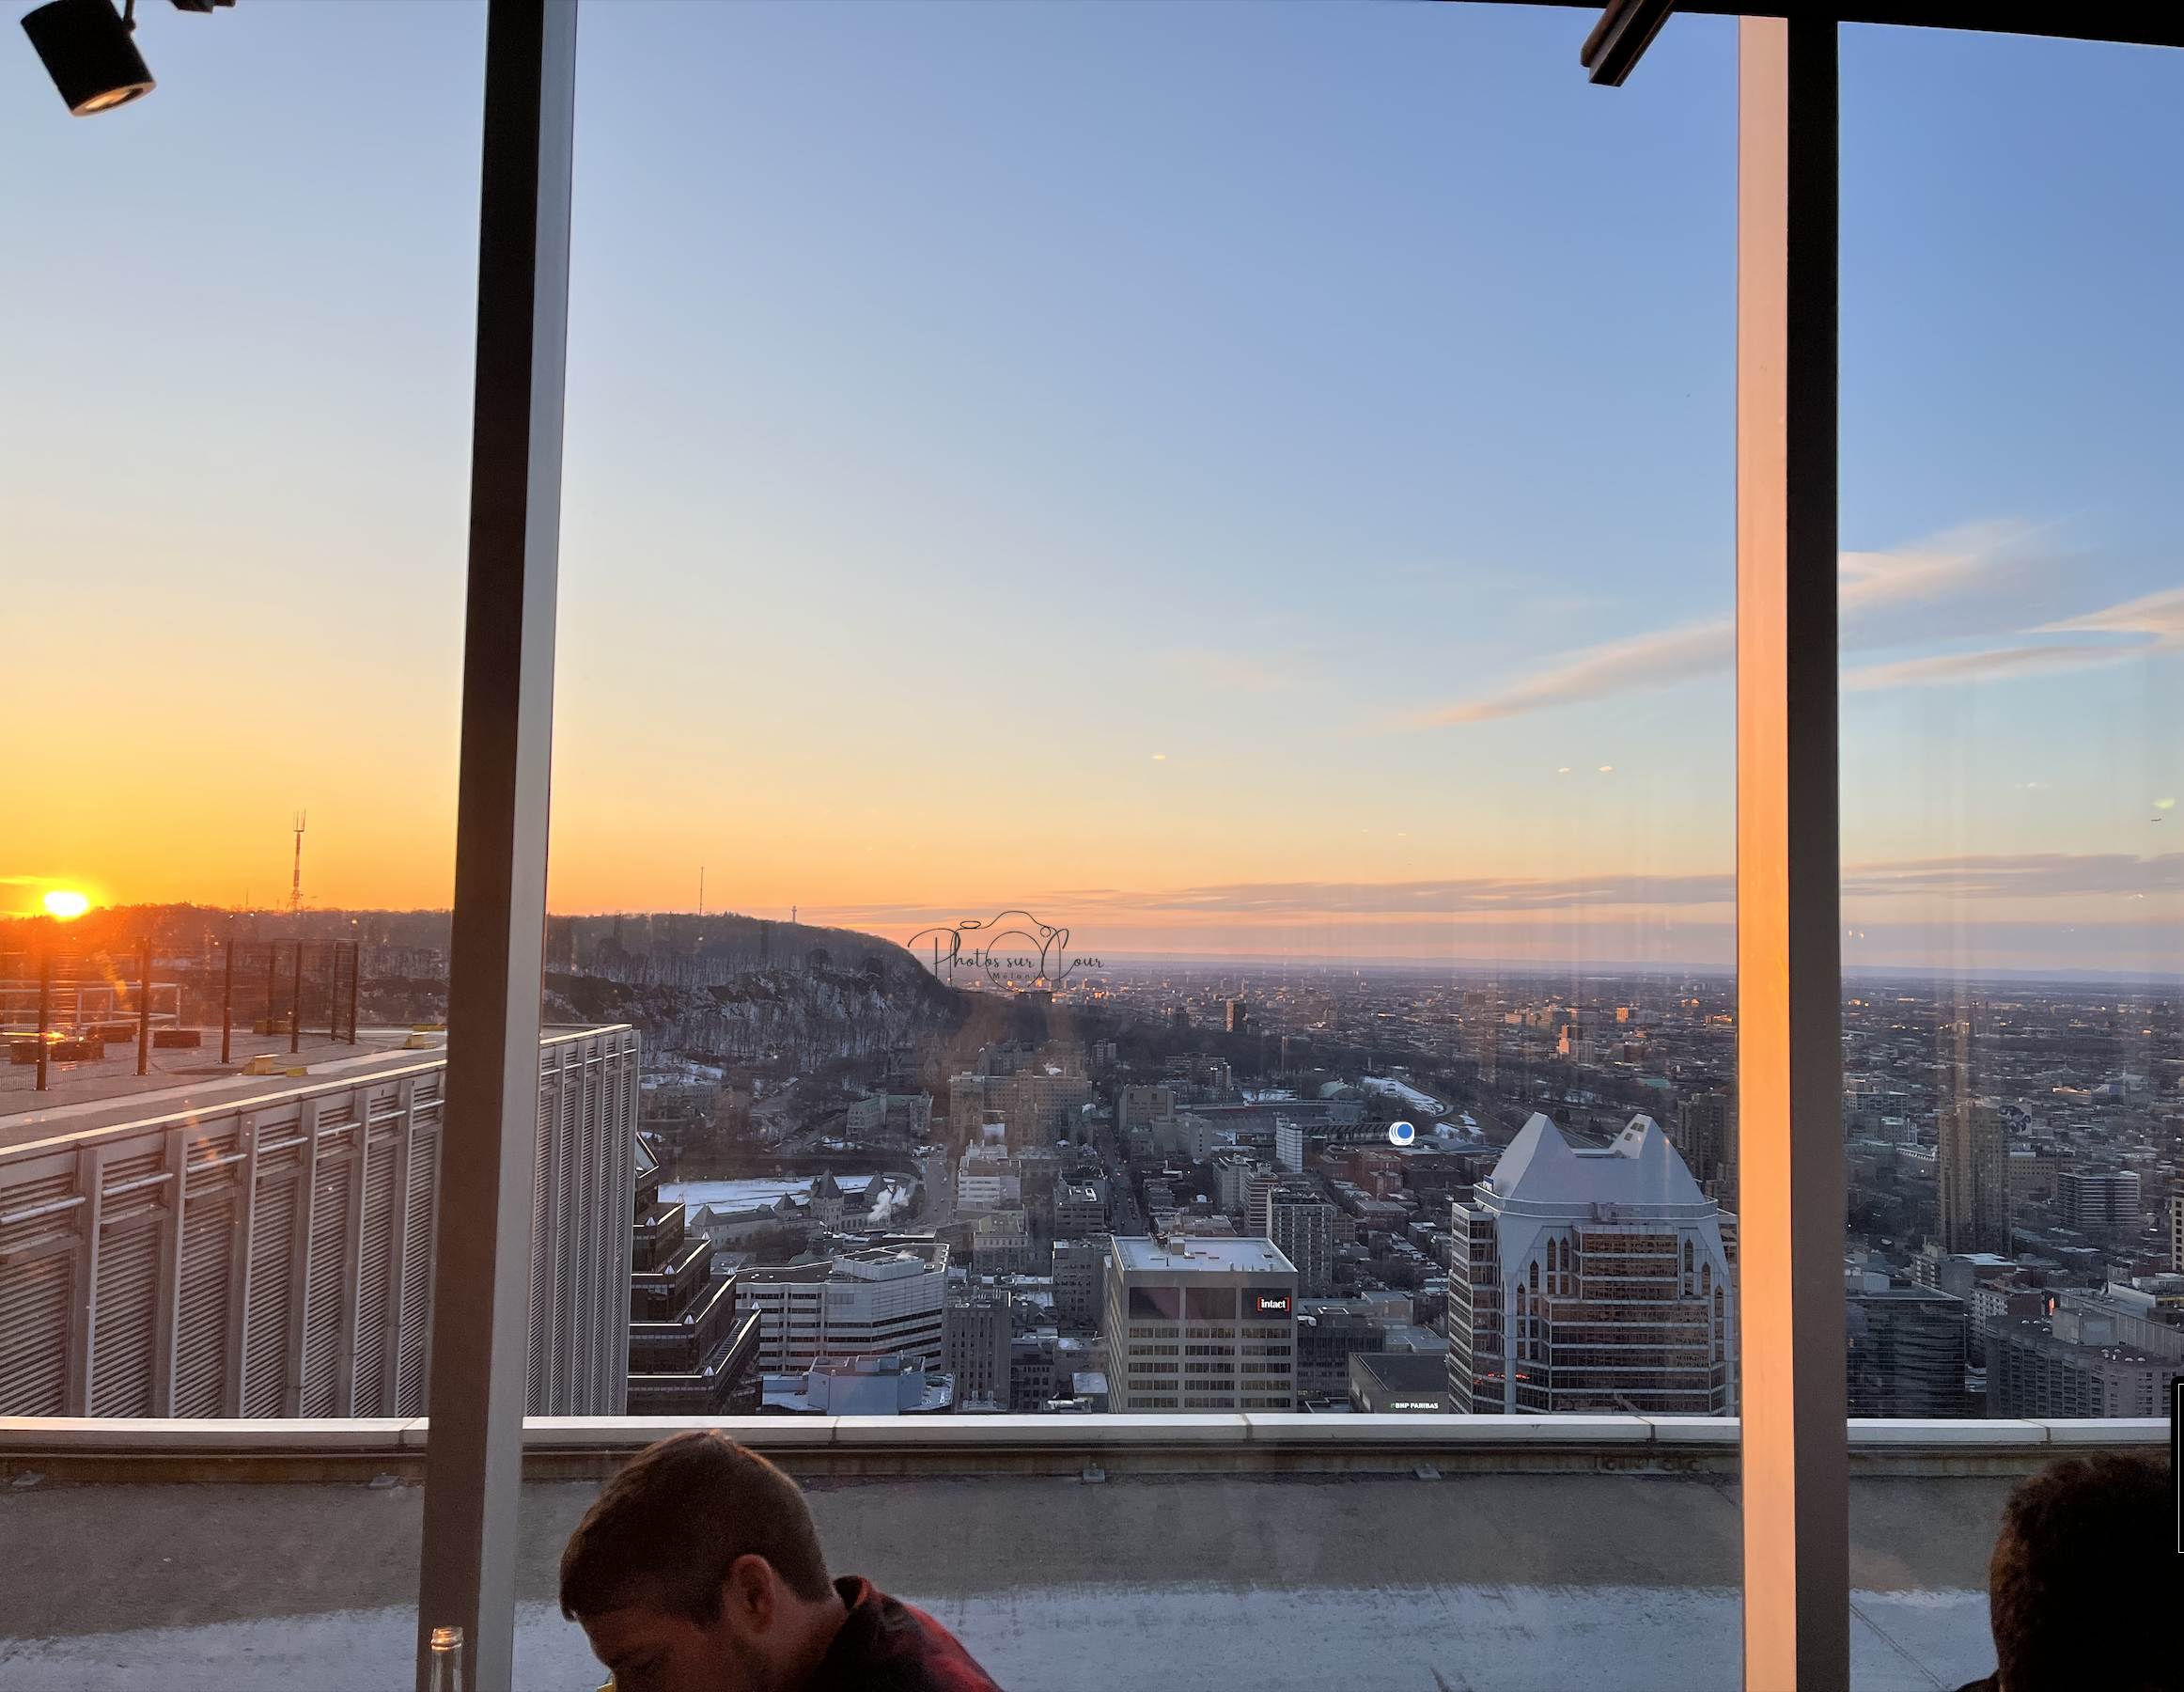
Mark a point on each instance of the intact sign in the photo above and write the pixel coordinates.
(1270, 1304)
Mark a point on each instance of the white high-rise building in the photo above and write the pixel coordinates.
(881, 1301)
(1592, 1281)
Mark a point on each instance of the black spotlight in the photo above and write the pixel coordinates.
(88, 54)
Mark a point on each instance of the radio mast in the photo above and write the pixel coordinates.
(296, 885)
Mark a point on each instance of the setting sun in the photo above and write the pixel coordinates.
(64, 905)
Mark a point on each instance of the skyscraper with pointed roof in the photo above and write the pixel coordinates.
(1592, 1279)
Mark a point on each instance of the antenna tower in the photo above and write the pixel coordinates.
(296, 885)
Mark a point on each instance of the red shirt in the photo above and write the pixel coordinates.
(887, 1646)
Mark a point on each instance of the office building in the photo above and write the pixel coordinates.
(1973, 1164)
(1706, 1139)
(1592, 1280)
(1957, 1273)
(2102, 1202)
(1192, 1135)
(689, 1354)
(1326, 1341)
(1136, 1106)
(1080, 1278)
(1232, 1172)
(1042, 1367)
(1196, 1324)
(1001, 1243)
(1300, 1225)
(1239, 1015)
(872, 1302)
(2036, 1173)
(2177, 1233)
(975, 1328)
(1905, 1353)
(1033, 1103)
(1400, 1384)
(1079, 1210)
(2071, 1364)
(268, 1252)
(1289, 1145)
(2131, 1316)
(909, 1115)
(886, 1385)
(986, 1176)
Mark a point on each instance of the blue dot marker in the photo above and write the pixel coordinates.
(1401, 1133)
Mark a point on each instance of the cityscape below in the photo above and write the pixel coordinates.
(813, 1171)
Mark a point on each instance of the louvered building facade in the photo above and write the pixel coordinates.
(271, 1255)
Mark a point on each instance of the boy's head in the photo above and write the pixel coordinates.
(698, 1566)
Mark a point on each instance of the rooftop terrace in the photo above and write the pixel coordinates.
(1069, 1552)
(108, 1090)
(1202, 1251)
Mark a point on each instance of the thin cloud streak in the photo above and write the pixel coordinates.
(1980, 581)
(1638, 664)
(1995, 876)
(2020, 875)
(1953, 669)
(1431, 898)
(2159, 615)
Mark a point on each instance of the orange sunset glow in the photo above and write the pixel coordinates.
(1235, 605)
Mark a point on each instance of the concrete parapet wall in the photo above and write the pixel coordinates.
(294, 1451)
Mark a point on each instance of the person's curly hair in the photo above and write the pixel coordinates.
(2084, 1589)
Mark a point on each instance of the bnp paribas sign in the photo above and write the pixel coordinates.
(1014, 949)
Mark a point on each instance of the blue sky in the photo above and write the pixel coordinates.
(1246, 477)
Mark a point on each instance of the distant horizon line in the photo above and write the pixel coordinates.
(1610, 967)
(1615, 968)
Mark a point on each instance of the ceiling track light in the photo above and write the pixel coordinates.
(91, 52)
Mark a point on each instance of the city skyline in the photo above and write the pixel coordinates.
(1221, 522)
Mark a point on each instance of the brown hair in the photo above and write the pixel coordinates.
(668, 1528)
(2082, 1589)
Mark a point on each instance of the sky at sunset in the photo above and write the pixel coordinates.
(1234, 479)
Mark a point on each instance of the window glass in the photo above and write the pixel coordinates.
(2012, 937)
(233, 448)
(2013, 940)
(1173, 651)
